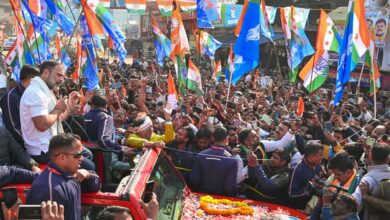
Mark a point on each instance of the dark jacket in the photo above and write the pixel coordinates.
(215, 175)
(10, 107)
(182, 160)
(13, 175)
(299, 178)
(270, 182)
(100, 128)
(13, 153)
(57, 185)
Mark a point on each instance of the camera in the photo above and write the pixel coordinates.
(315, 186)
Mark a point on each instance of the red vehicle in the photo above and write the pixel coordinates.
(176, 201)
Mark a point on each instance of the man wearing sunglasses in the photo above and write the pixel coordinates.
(63, 180)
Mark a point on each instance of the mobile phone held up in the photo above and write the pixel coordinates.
(30, 212)
(10, 196)
(328, 126)
(183, 110)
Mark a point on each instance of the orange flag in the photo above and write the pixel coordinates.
(172, 94)
(82, 98)
(301, 107)
(124, 91)
(239, 24)
(76, 74)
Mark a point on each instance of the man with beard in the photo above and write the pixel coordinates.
(40, 111)
(179, 152)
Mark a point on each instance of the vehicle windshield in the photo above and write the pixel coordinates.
(168, 188)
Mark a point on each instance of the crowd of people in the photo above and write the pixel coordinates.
(261, 139)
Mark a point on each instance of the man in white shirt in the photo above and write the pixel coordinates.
(40, 111)
(283, 139)
(378, 171)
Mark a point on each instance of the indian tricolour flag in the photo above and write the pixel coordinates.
(105, 3)
(360, 34)
(187, 5)
(315, 72)
(165, 7)
(194, 80)
(136, 6)
(172, 94)
(217, 70)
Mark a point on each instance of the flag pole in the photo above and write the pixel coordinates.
(36, 39)
(374, 95)
(373, 77)
(74, 30)
(230, 83)
(311, 75)
(277, 60)
(92, 41)
(24, 34)
(360, 77)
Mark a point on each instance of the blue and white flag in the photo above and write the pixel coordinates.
(247, 45)
(206, 13)
(345, 59)
(64, 22)
(90, 71)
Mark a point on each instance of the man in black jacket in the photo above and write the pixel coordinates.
(12, 175)
(13, 153)
(10, 102)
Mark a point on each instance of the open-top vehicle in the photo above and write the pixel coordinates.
(176, 200)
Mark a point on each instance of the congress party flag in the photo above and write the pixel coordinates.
(194, 80)
(179, 40)
(315, 72)
(217, 70)
(187, 5)
(136, 6)
(230, 66)
(172, 94)
(105, 3)
(165, 7)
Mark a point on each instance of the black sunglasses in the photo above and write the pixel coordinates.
(76, 155)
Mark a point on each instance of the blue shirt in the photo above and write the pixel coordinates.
(215, 171)
(10, 103)
(299, 178)
(100, 128)
(13, 175)
(57, 185)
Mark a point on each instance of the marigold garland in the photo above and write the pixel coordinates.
(241, 208)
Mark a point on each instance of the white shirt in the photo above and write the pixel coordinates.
(3, 81)
(270, 146)
(36, 101)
